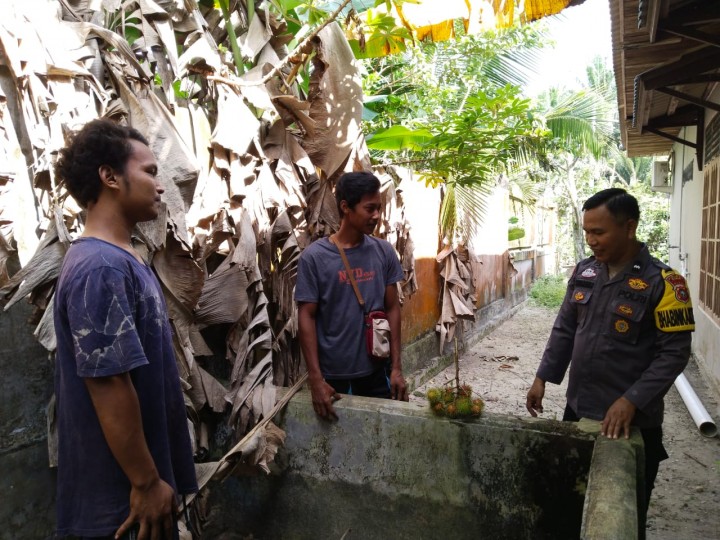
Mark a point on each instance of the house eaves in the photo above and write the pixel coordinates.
(666, 57)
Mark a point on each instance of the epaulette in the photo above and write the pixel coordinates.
(661, 265)
(581, 264)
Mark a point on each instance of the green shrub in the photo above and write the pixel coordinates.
(548, 291)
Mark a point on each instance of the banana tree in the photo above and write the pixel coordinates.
(243, 118)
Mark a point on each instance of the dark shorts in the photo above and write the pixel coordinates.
(376, 385)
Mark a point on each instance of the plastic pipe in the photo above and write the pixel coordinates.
(698, 412)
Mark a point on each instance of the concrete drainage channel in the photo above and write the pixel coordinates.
(393, 470)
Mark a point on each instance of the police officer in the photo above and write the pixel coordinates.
(624, 327)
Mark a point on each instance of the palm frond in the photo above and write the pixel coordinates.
(463, 209)
(514, 67)
(580, 119)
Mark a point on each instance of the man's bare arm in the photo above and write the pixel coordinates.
(398, 387)
(323, 394)
(152, 501)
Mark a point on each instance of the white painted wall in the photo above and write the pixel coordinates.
(491, 238)
(684, 253)
(685, 214)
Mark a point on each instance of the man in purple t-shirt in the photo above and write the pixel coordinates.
(330, 318)
(124, 451)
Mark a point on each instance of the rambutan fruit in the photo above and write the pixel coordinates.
(465, 390)
(434, 395)
(463, 406)
(477, 406)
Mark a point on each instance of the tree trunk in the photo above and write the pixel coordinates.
(571, 189)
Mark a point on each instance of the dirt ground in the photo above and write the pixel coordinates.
(686, 501)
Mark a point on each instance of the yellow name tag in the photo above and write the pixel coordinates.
(674, 313)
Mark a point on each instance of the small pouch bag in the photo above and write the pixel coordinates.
(377, 335)
(377, 327)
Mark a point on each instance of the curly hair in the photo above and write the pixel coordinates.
(100, 142)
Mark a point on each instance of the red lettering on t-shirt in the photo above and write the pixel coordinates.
(358, 273)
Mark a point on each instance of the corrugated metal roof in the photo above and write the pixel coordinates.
(645, 38)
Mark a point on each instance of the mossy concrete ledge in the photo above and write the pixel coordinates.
(393, 470)
(615, 487)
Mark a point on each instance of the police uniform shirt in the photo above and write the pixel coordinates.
(628, 335)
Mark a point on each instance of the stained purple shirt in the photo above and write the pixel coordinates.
(111, 318)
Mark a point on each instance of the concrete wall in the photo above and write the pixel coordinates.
(614, 501)
(421, 310)
(501, 270)
(26, 482)
(384, 470)
(394, 470)
(546, 261)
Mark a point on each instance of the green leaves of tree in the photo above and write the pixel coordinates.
(481, 141)
(471, 146)
(464, 94)
(385, 38)
(399, 138)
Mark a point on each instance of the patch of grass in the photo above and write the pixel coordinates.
(548, 291)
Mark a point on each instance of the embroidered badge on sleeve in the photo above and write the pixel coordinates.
(674, 313)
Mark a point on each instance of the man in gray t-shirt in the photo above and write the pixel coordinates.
(331, 320)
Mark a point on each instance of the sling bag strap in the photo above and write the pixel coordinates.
(349, 272)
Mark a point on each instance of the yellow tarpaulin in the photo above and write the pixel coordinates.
(433, 19)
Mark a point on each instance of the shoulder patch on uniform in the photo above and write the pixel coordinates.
(589, 273)
(674, 312)
(678, 284)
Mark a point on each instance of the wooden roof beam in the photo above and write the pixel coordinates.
(671, 137)
(699, 12)
(690, 98)
(662, 77)
(642, 14)
(690, 33)
(639, 102)
(701, 79)
(654, 19)
(688, 115)
(694, 63)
